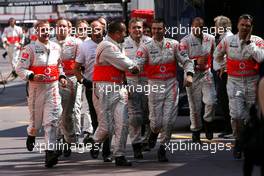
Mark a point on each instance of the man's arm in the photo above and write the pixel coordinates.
(80, 60)
(181, 51)
(219, 52)
(256, 49)
(184, 60)
(4, 37)
(24, 62)
(142, 56)
(112, 54)
(78, 71)
(261, 95)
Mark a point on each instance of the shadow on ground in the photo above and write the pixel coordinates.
(181, 163)
(14, 95)
(20, 131)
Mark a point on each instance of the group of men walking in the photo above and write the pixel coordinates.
(114, 70)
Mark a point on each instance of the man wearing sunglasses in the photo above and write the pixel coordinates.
(244, 52)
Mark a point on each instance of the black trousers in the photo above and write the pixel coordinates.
(223, 100)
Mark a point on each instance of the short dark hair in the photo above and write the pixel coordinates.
(11, 19)
(63, 19)
(223, 21)
(81, 21)
(115, 26)
(135, 20)
(246, 17)
(159, 20)
(39, 22)
(200, 19)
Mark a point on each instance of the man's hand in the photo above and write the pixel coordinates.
(63, 82)
(134, 69)
(19, 46)
(39, 77)
(5, 44)
(188, 81)
(220, 72)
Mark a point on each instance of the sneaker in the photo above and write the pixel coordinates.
(67, 150)
(51, 158)
(94, 150)
(196, 137)
(108, 159)
(209, 130)
(153, 139)
(162, 154)
(30, 143)
(14, 74)
(137, 148)
(122, 161)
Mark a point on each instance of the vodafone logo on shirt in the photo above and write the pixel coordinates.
(25, 55)
(168, 45)
(139, 53)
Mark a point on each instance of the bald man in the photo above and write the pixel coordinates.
(199, 47)
(86, 59)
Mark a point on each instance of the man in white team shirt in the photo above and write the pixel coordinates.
(111, 102)
(13, 40)
(71, 95)
(159, 58)
(86, 59)
(199, 47)
(244, 52)
(39, 63)
(138, 101)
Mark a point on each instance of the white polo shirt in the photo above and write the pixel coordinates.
(86, 57)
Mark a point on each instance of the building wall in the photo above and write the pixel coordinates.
(142, 4)
(26, 13)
